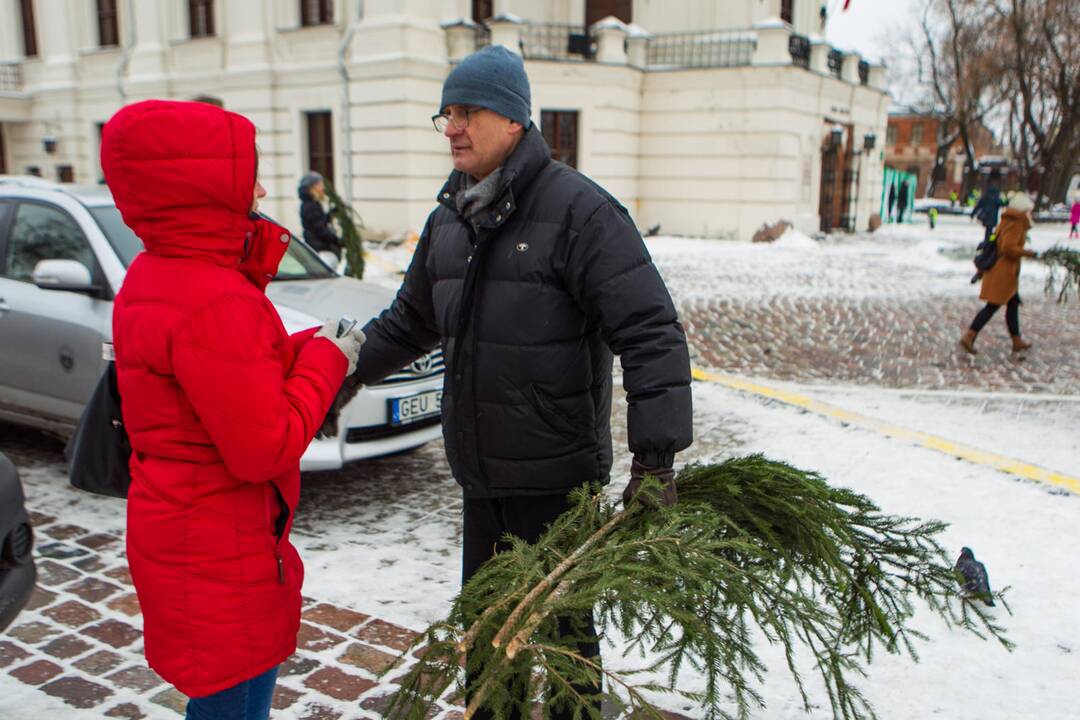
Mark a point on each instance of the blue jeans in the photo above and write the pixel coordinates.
(248, 700)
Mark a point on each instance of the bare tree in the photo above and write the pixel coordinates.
(958, 72)
(1042, 62)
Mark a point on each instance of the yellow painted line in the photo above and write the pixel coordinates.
(933, 442)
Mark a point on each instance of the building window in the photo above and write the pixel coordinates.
(201, 18)
(916, 133)
(787, 11)
(482, 10)
(316, 12)
(597, 10)
(320, 143)
(890, 135)
(29, 30)
(560, 130)
(108, 27)
(65, 173)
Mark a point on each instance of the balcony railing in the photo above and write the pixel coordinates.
(553, 41)
(799, 47)
(10, 77)
(836, 62)
(720, 48)
(864, 72)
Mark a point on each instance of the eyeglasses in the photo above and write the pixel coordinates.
(458, 117)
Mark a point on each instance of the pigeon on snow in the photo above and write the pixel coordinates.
(976, 581)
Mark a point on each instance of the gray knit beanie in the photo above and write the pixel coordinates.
(493, 78)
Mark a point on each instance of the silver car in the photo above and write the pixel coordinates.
(63, 254)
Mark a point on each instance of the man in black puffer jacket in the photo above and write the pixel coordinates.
(531, 276)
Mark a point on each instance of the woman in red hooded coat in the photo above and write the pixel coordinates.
(219, 403)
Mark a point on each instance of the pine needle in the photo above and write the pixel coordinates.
(1062, 260)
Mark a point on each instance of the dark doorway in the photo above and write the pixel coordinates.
(482, 10)
(316, 12)
(837, 177)
(320, 142)
(560, 130)
(597, 10)
(201, 18)
(29, 28)
(108, 25)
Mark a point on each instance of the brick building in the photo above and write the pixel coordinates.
(911, 146)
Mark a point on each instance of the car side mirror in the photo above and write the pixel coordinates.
(69, 275)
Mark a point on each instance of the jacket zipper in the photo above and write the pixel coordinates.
(278, 531)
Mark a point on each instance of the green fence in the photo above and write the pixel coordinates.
(893, 188)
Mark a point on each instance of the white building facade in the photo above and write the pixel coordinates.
(706, 118)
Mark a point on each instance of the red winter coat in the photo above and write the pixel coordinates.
(218, 400)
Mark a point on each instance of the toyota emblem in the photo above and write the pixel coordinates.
(421, 366)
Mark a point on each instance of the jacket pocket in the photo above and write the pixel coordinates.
(553, 416)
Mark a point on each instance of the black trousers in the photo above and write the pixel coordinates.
(1012, 316)
(485, 523)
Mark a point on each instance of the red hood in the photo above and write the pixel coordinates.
(182, 175)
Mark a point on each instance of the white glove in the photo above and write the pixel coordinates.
(349, 343)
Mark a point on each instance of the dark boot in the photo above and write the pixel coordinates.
(968, 341)
(1019, 344)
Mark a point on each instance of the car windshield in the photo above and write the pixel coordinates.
(300, 261)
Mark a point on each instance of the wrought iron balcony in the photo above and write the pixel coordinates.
(11, 77)
(836, 62)
(717, 48)
(551, 41)
(799, 47)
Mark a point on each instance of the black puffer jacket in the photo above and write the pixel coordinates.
(529, 310)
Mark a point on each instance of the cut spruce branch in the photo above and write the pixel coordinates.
(754, 549)
(351, 224)
(1064, 276)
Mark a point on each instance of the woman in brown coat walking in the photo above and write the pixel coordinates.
(1001, 283)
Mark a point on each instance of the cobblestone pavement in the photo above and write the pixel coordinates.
(877, 342)
(865, 314)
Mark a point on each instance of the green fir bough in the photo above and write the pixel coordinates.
(752, 543)
(350, 223)
(1066, 262)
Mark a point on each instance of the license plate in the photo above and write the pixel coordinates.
(415, 407)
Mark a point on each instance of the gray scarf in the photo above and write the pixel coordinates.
(475, 197)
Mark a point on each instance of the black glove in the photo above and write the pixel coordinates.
(348, 391)
(665, 475)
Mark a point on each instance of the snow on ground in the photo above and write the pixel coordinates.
(897, 261)
(1020, 530)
